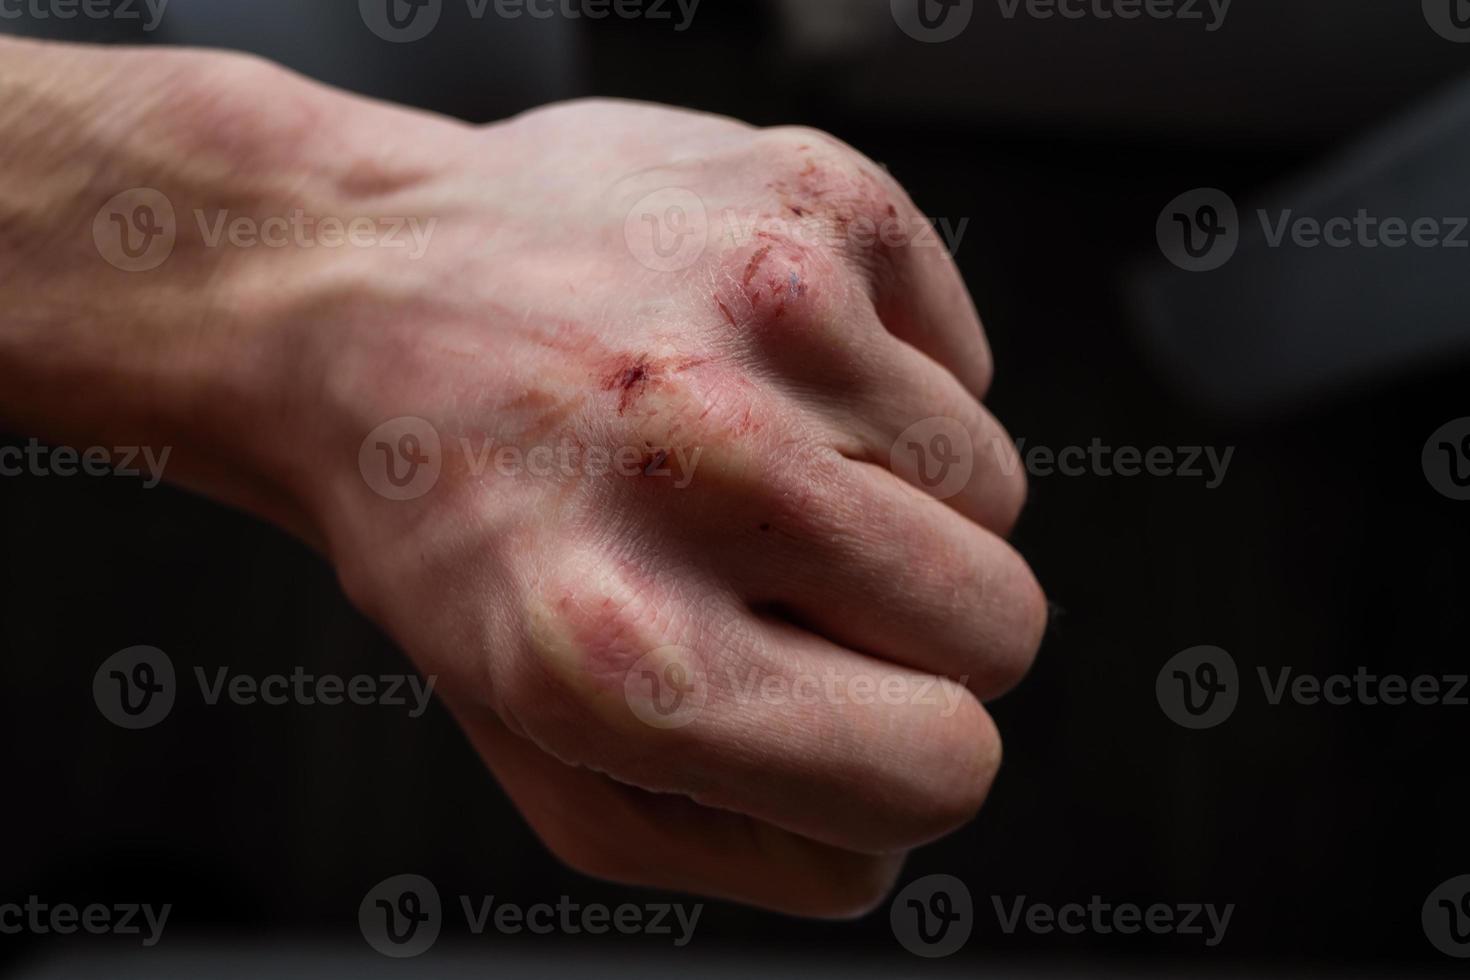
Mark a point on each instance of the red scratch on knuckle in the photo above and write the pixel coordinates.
(775, 278)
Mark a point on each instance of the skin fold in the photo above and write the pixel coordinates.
(836, 627)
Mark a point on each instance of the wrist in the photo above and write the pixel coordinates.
(202, 322)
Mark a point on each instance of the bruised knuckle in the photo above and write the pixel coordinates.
(591, 628)
(586, 631)
(701, 429)
(813, 176)
(775, 281)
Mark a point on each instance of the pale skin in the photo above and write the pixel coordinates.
(791, 359)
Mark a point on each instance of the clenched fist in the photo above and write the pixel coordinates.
(664, 453)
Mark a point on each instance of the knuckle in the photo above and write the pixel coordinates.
(698, 429)
(813, 174)
(804, 495)
(1006, 501)
(982, 374)
(586, 631)
(964, 772)
(1025, 624)
(778, 278)
(951, 765)
(592, 626)
(1036, 615)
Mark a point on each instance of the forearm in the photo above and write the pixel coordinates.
(145, 327)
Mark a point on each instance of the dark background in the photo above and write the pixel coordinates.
(1325, 548)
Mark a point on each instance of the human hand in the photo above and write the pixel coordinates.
(700, 621)
(719, 520)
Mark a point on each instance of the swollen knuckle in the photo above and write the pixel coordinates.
(772, 280)
(566, 686)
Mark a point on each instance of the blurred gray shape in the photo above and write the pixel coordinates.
(1282, 324)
